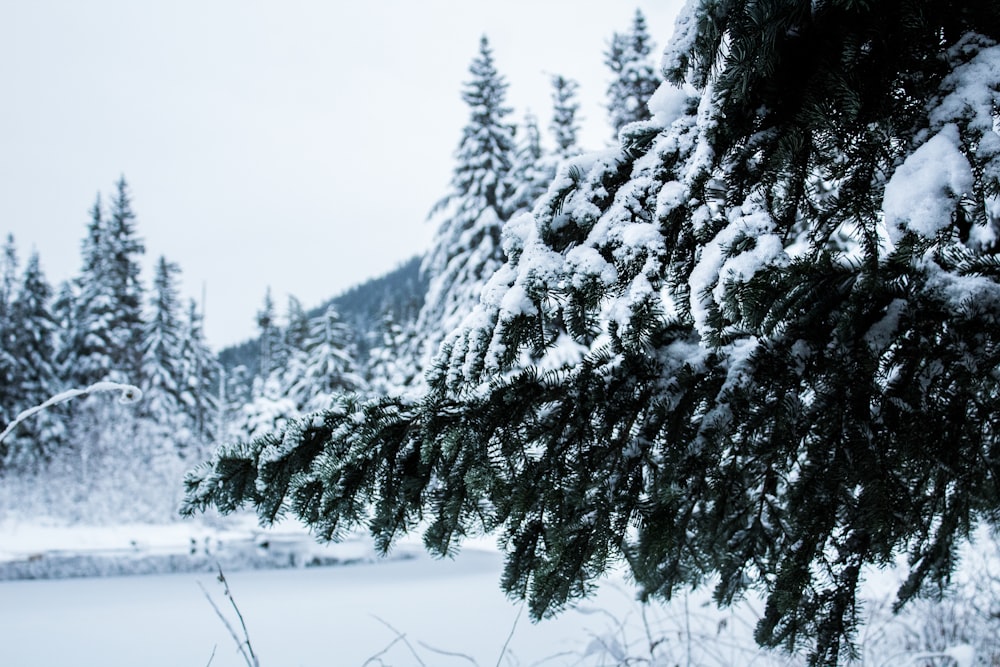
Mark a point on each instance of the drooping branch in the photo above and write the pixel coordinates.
(129, 394)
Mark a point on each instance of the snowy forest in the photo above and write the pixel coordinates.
(748, 349)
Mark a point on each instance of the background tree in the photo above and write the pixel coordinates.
(105, 342)
(163, 373)
(785, 295)
(125, 289)
(324, 364)
(634, 77)
(8, 362)
(466, 249)
(390, 368)
(270, 342)
(31, 345)
(565, 125)
(201, 373)
(528, 178)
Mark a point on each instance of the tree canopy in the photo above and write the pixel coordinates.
(755, 346)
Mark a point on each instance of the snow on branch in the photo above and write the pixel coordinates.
(129, 394)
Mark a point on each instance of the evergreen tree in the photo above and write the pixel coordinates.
(8, 362)
(527, 179)
(201, 373)
(121, 263)
(163, 380)
(324, 365)
(87, 347)
(785, 290)
(64, 311)
(391, 368)
(106, 340)
(565, 125)
(32, 346)
(634, 78)
(466, 249)
(270, 341)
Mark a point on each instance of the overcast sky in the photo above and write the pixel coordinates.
(293, 144)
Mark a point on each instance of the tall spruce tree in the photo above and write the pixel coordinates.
(528, 178)
(270, 342)
(466, 248)
(201, 374)
(565, 125)
(106, 341)
(324, 365)
(8, 361)
(634, 77)
(390, 368)
(32, 346)
(787, 295)
(163, 380)
(121, 263)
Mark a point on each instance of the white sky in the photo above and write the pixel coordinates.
(296, 144)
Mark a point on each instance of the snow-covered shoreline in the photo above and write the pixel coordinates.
(48, 549)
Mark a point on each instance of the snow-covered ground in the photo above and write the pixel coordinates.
(337, 605)
(363, 610)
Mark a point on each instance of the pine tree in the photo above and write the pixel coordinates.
(528, 177)
(391, 368)
(467, 249)
(64, 311)
(163, 379)
(201, 374)
(324, 365)
(32, 346)
(634, 78)
(270, 341)
(86, 349)
(785, 289)
(106, 340)
(565, 125)
(121, 262)
(8, 362)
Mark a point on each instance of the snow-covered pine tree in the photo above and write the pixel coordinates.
(565, 125)
(163, 379)
(324, 365)
(290, 364)
(466, 248)
(528, 177)
(106, 340)
(634, 74)
(85, 347)
(786, 291)
(64, 311)
(121, 263)
(201, 374)
(390, 369)
(8, 362)
(32, 347)
(296, 330)
(270, 342)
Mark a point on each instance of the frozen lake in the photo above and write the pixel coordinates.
(325, 617)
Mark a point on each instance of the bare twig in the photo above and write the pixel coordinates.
(244, 646)
(450, 654)
(400, 637)
(129, 394)
(510, 636)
